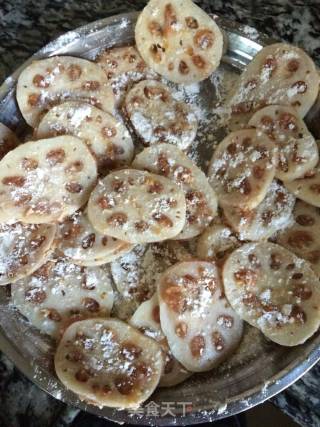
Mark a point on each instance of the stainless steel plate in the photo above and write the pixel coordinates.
(259, 369)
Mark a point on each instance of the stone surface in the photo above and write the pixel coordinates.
(25, 26)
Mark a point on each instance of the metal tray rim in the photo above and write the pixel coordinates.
(239, 403)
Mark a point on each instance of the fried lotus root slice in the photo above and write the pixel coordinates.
(60, 293)
(23, 249)
(123, 67)
(107, 138)
(169, 161)
(297, 149)
(199, 324)
(44, 181)
(242, 168)
(179, 40)
(147, 319)
(279, 74)
(308, 187)
(272, 214)
(108, 363)
(136, 273)
(273, 290)
(80, 242)
(8, 140)
(302, 237)
(216, 242)
(50, 81)
(157, 117)
(137, 207)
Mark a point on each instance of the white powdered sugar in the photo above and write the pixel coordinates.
(251, 32)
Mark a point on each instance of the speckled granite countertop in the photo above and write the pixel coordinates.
(25, 26)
